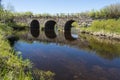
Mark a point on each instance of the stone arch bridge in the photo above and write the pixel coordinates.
(60, 21)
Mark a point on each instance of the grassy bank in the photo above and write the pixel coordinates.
(106, 21)
(104, 26)
(13, 67)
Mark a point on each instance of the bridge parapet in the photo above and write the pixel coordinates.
(59, 20)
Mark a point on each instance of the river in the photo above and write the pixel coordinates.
(70, 55)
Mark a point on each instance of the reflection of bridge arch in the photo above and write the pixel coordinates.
(68, 36)
(83, 42)
(50, 34)
(34, 28)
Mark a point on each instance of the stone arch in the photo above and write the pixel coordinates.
(35, 24)
(68, 25)
(67, 30)
(50, 29)
(34, 28)
(50, 25)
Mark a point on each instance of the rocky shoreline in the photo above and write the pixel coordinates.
(102, 34)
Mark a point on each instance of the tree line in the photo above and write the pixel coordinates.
(107, 12)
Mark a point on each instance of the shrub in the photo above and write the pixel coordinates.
(110, 25)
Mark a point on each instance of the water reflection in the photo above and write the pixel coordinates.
(105, 48)
(85, 58)
(68, 36)
(50, 34)
(35, 32)
(12, 40)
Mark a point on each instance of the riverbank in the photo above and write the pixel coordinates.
(102, 34)
(12, 65)
(104, 29)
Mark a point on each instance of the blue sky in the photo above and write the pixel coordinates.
(57, 6)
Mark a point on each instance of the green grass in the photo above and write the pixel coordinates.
(75, 24)
(106, 26)
(22, 24)
(5, 29)
(12, 66)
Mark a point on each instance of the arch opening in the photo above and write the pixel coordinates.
(67, 30)
(68, 25)
(35, 24)
(50, 29)
(50, 25)
(34, 28)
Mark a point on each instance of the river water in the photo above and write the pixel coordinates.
(71, 56)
